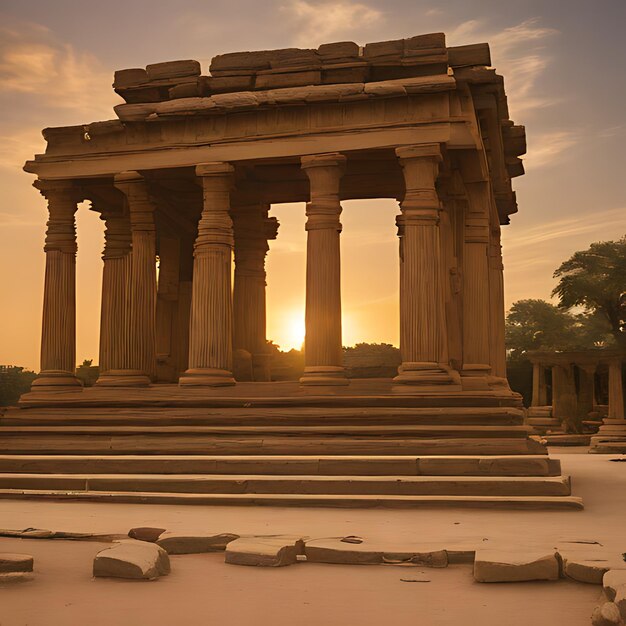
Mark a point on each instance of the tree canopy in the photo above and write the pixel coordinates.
(596, 280)
(539, 325)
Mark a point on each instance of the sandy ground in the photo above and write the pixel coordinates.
(203, 590)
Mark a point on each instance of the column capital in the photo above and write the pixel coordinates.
(214, 168)
(140, 203)
(117, 233)
(324, 172)
(420, 151)
(59, 190)
(330, 159)
(63, 197)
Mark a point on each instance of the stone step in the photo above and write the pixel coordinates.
(151, 416)
(296, 484)
(529, 465)
(404, 430)
(25, 442)
(317, 500)
(605, 444)
(544, 421)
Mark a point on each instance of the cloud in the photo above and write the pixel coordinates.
(16, 146)
(567, 229)
(543, 150)
(316, 23)
(36, 65)
(519, 53)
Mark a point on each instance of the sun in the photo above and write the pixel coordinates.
(294, 331)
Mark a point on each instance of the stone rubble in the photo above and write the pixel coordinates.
(132, 559)
(493, 565)
(181, 543)
(10, 562)
(270, 551)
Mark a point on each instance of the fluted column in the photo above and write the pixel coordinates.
(496, 305)
(115, 331)
(140, 360)
(323, 356)
(616, 390)
(539, 385)
(477, 327)
(58, 335)
(210, 337)
(423, 333)
(252, 229)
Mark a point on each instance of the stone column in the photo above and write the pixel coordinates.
(252, 229)
(115, 332)
(586, 386)
(616, 390)
(423, 331)
(323, 356)
(477, 326)
(140, 362)
(496, 306)
(564, 404)
(210, 336)
(58, 335)
(537, 371)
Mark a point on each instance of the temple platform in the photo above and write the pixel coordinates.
(363, 445)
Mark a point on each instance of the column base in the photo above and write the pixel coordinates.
(207, 377)
(475, 377)
(123, 378)
(324, 375)
(56, 380)
(426, 377)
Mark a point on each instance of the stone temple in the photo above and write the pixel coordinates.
(187, 173)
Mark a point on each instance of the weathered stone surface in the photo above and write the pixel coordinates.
(132, 559)
(288, 79)
(221, 84)
(130, 78)
(345, 73)
(338, 50)
(295, 57)
(473, 54)
(173, 69)
(136, 95)
(384, 49)
(338, 551)
(612, 580)
(620, 600)
(606, 614)
(271, 551)
(9, 578)
(493, 565)
(10, 562)
(585, 570)
(146, 533)
(179, 543)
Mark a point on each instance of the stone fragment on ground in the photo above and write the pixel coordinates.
(269, 551)
(612, 580)
(493, 565)
(146, 533)
(9, 578)
(335, 550)
(606, 614)
(10, 562)
(620, 600)
(181, 543)
(132, 559)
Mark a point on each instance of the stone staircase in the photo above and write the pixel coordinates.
(391, 453)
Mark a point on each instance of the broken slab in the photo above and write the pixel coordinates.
(146, 533)
(612, 580)
(132, 559)
(10, 562)
(493, 565)
(173, 69)
(587, 570)
(334, 550)
(606, 614)
(270, 551)
(9, 578)
(180, 543)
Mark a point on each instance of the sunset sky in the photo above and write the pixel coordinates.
(563, 63)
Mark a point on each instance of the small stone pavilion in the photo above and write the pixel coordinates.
(576, 379)
(187, 174)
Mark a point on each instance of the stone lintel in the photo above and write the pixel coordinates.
(432, 150)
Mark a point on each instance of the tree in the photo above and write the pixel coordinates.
(596, 280)
(14, 381)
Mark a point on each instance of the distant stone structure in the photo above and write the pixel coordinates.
(188, 173)
(574, 392)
